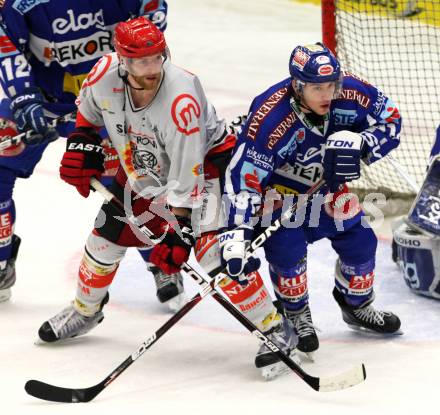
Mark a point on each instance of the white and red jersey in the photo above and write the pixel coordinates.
(161, 146)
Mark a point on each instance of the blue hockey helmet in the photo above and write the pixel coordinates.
(314, 64)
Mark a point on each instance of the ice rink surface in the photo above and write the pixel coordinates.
(205, 363)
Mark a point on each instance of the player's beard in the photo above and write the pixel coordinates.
(149, 83)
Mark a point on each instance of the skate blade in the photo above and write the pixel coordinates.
(309, 356)
(366, 330)
(177, 302)
(274, 371)
(5, 295)
(278, 369)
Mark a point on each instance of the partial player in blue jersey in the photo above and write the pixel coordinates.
(47, 48)
(319, 122)
(416, 237)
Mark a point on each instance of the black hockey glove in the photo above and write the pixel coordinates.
(342, 158)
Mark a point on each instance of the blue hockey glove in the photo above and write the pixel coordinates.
(28, 113)
(342, 158)
(233, 245)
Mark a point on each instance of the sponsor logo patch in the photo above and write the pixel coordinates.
(325, 70)
(23, 6)
(280, 130)
(5, 225)
(197, 170)
(323, 59)
(251, 177)
(355, 95)
(300, 59)
(185, 112)
(260, 114)
(344, 117)
(74, 23)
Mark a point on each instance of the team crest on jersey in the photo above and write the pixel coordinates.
(300, 135)
(140, 162)
(186, 112)
(23, 6)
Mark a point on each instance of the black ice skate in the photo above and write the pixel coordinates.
(283, 335)
(307, 339)
(367, 317)
(69, 323)
(7, 274)
(169, 288)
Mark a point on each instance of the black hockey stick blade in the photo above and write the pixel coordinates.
(53, 393)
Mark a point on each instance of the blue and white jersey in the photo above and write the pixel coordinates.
(53, 44)
(280, 148)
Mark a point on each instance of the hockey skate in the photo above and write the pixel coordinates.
(308, 341)
(69, 323)
(169, 288)
(367, 318)
(7, 273)
(283, 335)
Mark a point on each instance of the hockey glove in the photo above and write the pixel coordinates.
(342, 158)
(28, 114)
(233, 245)
(174, 249)
(83, 159)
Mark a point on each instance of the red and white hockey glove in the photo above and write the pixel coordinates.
(83, 159)
(174, 250)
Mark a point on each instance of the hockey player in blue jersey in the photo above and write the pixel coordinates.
(47, 48)
(319, 122)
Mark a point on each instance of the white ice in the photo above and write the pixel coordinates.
(205, 363)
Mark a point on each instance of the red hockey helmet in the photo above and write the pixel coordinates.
(137, 38)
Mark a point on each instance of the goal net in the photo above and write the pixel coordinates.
(395, 45)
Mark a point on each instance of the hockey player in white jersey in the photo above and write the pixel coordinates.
(171, 146)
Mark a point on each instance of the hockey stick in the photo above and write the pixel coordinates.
(8, 141)
(403, 173)
(58, 394)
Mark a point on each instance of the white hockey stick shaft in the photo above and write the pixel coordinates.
(403, 173)
(8, 141)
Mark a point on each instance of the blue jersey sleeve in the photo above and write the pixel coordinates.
(380, 123)
(15, 70)
(253, 162)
